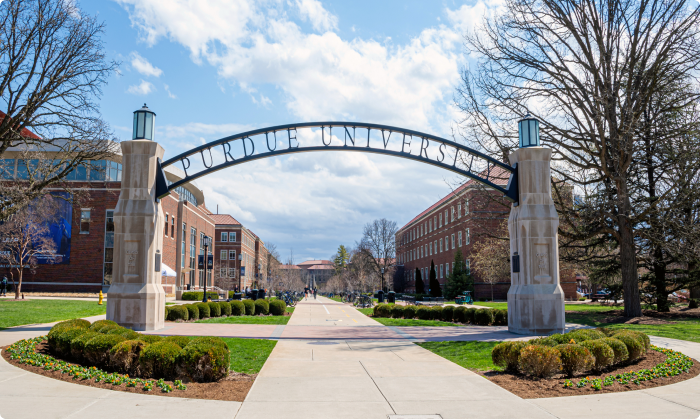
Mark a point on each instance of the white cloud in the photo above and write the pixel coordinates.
(320, 18)
(170, 94)
(142, 88)
(142, 65)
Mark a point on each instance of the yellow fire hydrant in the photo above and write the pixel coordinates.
(99, 303)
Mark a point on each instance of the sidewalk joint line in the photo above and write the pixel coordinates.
(109, 393)
(380, 390)
(12, 378)
(670, 401)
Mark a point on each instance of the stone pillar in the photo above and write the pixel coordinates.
(136, 299)
(535, 297)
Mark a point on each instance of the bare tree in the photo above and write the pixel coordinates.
(52, 69)
(25, 238)
(588, 71)
(379, 241)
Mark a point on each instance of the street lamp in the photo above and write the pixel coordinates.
(240, 277)
(144, 124)
(529, 132)
(207, 242)
(382, 279)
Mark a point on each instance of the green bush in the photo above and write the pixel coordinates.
(581, 335)
(397, 311)
(204, 310)
(151, 338)
(560, 339)
(178, 313)
(64, 337)
(460, 314)
(166, 312)
(436, 313)
(124, 356)
(540, 361)
(214, 309)
(59, 328)
(108, 328)
(483, 316)
(383, 310)
(198, 296)
(96, 350)
(606, 331)
(278, 307)
(448, 313)
(409, 312)
(424, 313)
(77, 345)
(507, 355)
(203, 360)
(500, 317)
(469, 315)
(129, 334)
(180, 341)
(225, 308)
(374, 310)
(643, 337)
(159, 359)
(237, 308)
(95, 327)
(543, 341)
(619, 348)
(575, 358)
(603, 354)
(249, 307)
(192, 311)
(262, 307)
(635, 345)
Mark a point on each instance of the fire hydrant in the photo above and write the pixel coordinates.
(99, 303)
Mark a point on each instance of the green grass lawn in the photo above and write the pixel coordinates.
(366, 311)
(567, 307)
(290, 309)
(472, 355)
(249, 355)
(413, 322)
(247, 320)
(336, 298)
(683, 329)
(15, 313)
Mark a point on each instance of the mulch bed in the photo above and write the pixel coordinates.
(232, 388)
(530, 388)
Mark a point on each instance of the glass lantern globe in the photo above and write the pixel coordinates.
(144, 124)
(529, 132)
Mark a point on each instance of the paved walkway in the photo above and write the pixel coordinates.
(309, 375)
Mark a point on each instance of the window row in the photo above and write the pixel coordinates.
(432, 224)
(228, 236)
(442, 271)
(432, 248)
(36, 169)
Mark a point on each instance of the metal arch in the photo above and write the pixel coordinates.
(510, 192)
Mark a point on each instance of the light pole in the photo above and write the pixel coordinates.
(207, 243)
(240, 277)
(382, 279)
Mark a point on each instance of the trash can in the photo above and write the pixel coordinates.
(380, 296)
(261, 294)
(253, 295)
(187, 287)
(391, 297)
(237, 296)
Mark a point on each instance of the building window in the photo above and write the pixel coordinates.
(459, 211)
(231, 255)
(84, 221)
(453, 240)
(452, 209)
(440, 246)
(435, 243)
(467, 266)
(224, 254)
(222, 272)
(441, 271)
(172, 227)
(459, 239)
(224, 236)
(430, 226)
(440, 220)
(167, 225)
(468, 238)
(201, 252)
(232, 236)
(435, 221)
(184, 239)
(193, 254)
(466, 208)
(431, 249)
(109, 248)
(447, 270)
(447, 244)
(446, 219)
(232, 272)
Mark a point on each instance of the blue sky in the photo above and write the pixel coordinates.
(212, 68)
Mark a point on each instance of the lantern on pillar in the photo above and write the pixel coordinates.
(529, 132)
(144, 124)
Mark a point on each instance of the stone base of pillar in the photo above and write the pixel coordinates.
(139, 307)
(536, 309)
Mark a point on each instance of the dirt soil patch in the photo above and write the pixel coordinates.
(232, 388)
(530, 388)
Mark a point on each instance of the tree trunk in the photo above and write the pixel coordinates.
(660, 282)
(18, 287)
(628, 268)
(492, 292)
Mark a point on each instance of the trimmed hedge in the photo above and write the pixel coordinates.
(151, 338)
(107, 328)
(448, 313)
(543, 341)
(159, 359)
(249, 307)
(100, 323)
(64, 337)
(423, 313)
(77, 345)
(507, 355)
(540, 361)
(500, 317)
(635, 345)
(560, 338)
(575, 358)
(214, 309)
(277, 307)
(192, 311)
(198, 296)
(436, 313)
(382, 310)
(483, 316)
(262, 307)
(409, 312)
(397, 311)
(124, 356)
(237, 308)
(178, 313)
(604, 355)
(469, 315)
(58, 328)
(180, 341)
(619, 349)
(225, 308)
(581, 335)
(96, 350)
(204, 310)
(460, 314)
(204, 360)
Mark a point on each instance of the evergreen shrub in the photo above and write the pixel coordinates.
(436, 313)
(580, 335)
(124, 356)
(635, 346)
(500, 317)
(469, 315)
(483, 316)
(603, 354)
(460, 314)
(198, 296)
(507, 355)
(540, 361)
(409, 312)
(397, 311)
(192, 311)
(96, 350)
(237, 308)
(423, 313)
(249, 307)
(278, 307)
(214, 309)
(204, 310)
(180, 341)
(64, 337)
(178, 313)
(619, 348)
(77, 345)
(151, 338)
(225, 308)
(575, 358)
(158, 360)
(448, 313)
(96, 326)
(203, 360)
(262, 307)
(383, 310)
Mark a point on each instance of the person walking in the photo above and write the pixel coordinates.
(315, 292)
(3, 286)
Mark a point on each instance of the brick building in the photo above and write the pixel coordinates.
(456, 221)
(241, 258)
(317, 272)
